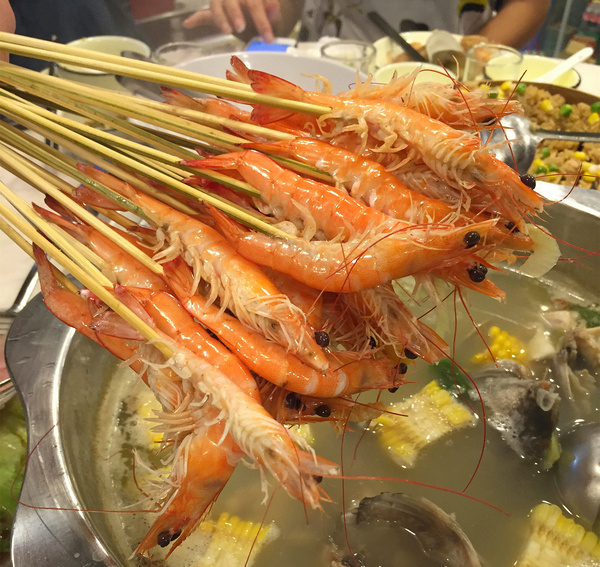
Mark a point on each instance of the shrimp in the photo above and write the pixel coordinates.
(300, 200)
(370, 183)
(347, 373)
(391, 323)
(366, 260)
(459, 108)
(238, 283)
(457, 157)
(364, 179)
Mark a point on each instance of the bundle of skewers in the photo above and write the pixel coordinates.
(247, 252)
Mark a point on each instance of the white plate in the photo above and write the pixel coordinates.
(293, 68)
(386, 49)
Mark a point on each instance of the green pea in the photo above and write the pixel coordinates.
(541, 169)
(565, 110)
(545, 152)
(552, 167)
(595, 107)
(521, 87)
(492, 95)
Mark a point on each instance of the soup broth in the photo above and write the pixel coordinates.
(505, 485)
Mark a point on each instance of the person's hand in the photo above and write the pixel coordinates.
(7, 23)
(230, 16)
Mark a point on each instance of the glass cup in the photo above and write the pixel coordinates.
(356, 54)
(492, 62)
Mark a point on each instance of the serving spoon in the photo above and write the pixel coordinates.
(578, 472)
(564, 66)
(524, 138)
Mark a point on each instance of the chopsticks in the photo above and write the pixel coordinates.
(386, 28)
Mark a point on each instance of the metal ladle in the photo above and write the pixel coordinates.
(524, 138)
(578, 472)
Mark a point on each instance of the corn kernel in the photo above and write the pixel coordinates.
(506, 86)
(546, 106)
(581, 156)
(503, 345)
(593, 118)
(537, 162)
(585, 166)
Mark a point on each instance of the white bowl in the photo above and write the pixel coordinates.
(536, 65)
(298, 69)
(111, 44)
(429, 72)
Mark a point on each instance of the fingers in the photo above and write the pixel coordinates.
(228, 16)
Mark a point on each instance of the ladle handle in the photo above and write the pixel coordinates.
(567, 136)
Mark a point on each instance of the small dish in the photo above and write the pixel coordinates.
(429, 72)
(536, 65)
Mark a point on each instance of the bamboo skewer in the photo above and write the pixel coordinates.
(87, 148)
(47, 51)
(34, 218)
(87, 276)
(36, 176)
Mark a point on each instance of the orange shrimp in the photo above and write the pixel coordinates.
(366, 260)
(457, 157)
(347, 374)
(371, 183)
(462, 109)
(305, 202)
(239, 284)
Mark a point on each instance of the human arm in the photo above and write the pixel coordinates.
(516, 22)
(268, 17)
(7, 23)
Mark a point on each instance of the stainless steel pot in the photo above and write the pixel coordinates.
(61, 377)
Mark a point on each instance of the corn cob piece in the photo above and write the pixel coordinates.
(147, 411)
(231, 540)
(408, 426)
(557, 541)
(503, 346)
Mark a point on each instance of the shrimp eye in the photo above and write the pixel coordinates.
(472, 239)
(164, 538)
(372, 342)
(393, 390)
(175, 535)
(402, 368)
(318, 479)
(323, 410)
(528, 180)
(291, 400)
(510, 225)
(478, 273)
(410, 354)
(322, 338)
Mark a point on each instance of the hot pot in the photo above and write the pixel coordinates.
(61, 376)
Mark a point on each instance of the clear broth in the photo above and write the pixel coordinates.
(306, 539)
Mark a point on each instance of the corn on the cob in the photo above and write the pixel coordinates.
(557, 541)
(503, 346)
(410, 425)
(231, 541)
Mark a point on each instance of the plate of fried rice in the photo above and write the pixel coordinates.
(553, 107)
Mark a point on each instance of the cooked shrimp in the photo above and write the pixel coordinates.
(459, 108)
(239, 284)
(455, 156)
(366, 260)
(392, 324)
(305, 202)
(346, 375)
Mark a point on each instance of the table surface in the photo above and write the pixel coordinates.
(14, 264)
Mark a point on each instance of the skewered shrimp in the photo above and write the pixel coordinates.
(303, 201)
(347, 374)
(460, 108)
(364, 261)
(238, 283)
(455, 156)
